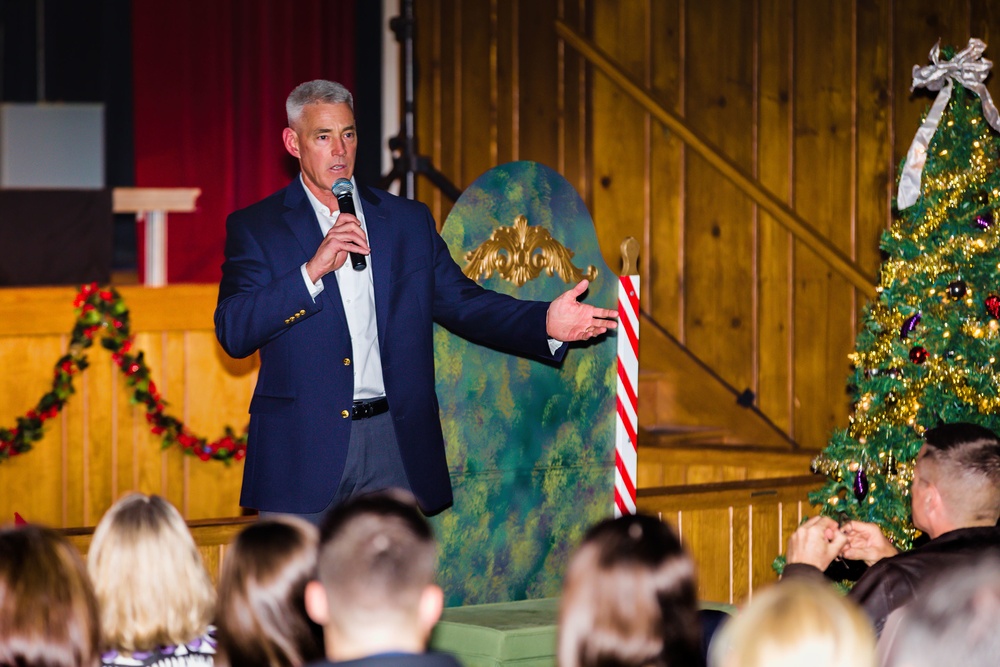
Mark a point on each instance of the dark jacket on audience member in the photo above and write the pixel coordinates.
(395, 660)
(891, 582)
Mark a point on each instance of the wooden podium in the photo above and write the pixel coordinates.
(151, 205)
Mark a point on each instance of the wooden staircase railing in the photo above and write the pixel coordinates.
(788, 218)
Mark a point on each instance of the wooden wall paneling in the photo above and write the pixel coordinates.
(773, 148)
(505, 62)
(32, 486)
(740, 548)
(875, 186)
(983, 16)
(539, 123)
(917, 25)
(573, 139)
(792, 514)
(435, 119)
(619, 139)
(662, 255)
(764, 545)
(718, 235)
(33, 482)
(100, 446)
(733, 556)
(168, 471)
(68, 448)
(824, 178)
(132, 442)
(478, 92)
(101, 384)
(703, 474)
(212, 403)
(708, 535)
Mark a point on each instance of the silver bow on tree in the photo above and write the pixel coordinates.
(970, 69)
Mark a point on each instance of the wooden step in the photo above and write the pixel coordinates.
(666, 461)
(663, 435)
(676, 388)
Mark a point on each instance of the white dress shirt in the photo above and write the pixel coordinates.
(357, 292)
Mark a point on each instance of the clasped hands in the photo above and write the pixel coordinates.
(820, 540)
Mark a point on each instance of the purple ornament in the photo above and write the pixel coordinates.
(860, 484)
(908, 326)
(984, 220)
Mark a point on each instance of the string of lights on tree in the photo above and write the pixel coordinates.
(927, 349)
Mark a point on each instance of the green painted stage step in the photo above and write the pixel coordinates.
(507, 634)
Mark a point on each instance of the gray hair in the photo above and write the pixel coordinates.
(316, 92)
(952, 621)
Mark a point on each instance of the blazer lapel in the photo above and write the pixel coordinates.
(380, 241)
(301, 219)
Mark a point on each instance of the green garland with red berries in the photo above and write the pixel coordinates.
(100, 312)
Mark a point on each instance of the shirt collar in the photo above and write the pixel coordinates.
(323, 210)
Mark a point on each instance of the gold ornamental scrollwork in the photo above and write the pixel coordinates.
(520, 253)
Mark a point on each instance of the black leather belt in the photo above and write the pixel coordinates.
(366, 409)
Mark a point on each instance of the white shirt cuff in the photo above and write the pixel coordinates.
(315, 289)
(554, 345)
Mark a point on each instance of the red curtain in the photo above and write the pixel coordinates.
(211, 80)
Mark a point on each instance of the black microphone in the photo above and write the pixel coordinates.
(343, 190)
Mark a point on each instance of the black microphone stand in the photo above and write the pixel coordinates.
(406, 161)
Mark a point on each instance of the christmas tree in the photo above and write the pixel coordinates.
(928, 346)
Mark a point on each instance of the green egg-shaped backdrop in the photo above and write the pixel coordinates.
(530, 445)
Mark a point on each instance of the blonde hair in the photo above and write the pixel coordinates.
(796, 622)
(152, 587)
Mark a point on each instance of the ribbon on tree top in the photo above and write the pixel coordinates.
(101, 312)
(968, 68)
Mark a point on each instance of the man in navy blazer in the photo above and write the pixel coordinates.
(345, 401)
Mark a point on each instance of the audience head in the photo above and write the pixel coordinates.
(377, 569)
(262, 617)
(953, 621)
(629, 599)
(797, 622)
(956, 479)
(318, 91)
(48, 614)
(151, 584)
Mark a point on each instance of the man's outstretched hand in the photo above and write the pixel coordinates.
(569, 320)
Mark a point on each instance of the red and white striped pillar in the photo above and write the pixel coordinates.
(627, 423)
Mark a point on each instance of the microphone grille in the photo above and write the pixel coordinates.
(342, 187)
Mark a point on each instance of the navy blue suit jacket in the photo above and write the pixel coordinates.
(298, 429)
